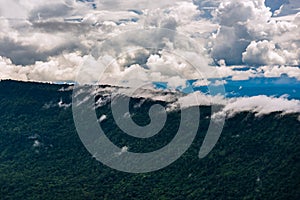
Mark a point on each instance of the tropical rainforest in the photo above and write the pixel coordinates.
(42, 156)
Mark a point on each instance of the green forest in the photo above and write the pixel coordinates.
(42, 157)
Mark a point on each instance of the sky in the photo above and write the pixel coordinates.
(251, 47)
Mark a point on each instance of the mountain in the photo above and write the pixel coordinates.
(42, 156)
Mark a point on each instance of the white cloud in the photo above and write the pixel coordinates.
(55, 39)
(36, 143)
(124, 149)
(61, 104)
(236, 19)
(201, 82)
(263, 52)
(244, 23)
(62, 68)
(198, 98)
(12, 9)
(277, 71)
(102, 118)
(219, 82)
(260, 105)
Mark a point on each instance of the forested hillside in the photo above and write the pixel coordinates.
(42, 157)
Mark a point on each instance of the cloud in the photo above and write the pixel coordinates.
(161, 68)
(54, 40)
(124, 149)
(46, 12)
(277, 71)
(198, 98)
(288, 8)
(207, 6)
(61, 68)
(260, 105)
(51, 41)
(102, 118)
(36, 143)
(135, 4)
(61, 104)
(235, 19)
(244, 23)
(263, 52)
(275, 4)
(12, 9)
(201, 82)
(20, 54)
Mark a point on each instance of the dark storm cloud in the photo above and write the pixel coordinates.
(21, 54)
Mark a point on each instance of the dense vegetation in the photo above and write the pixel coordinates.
(42, 157)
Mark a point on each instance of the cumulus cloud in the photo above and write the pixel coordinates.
(51, 41)
(263, 52)
(235, 19)
(244, 23)
(60, 68)
(50, 31)
(277, 71)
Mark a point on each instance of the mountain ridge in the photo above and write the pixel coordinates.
(42, 157)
